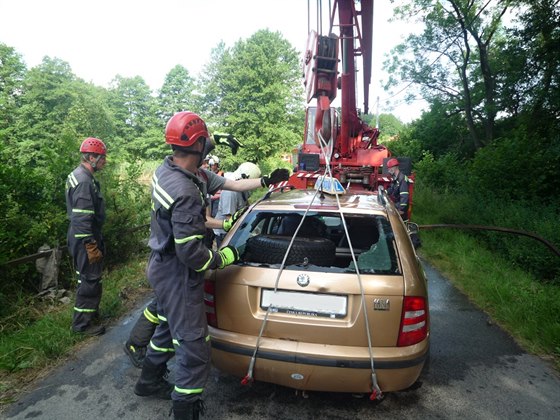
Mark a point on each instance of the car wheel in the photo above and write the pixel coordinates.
(270, 249)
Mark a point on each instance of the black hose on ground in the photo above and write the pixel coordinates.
(549, 244)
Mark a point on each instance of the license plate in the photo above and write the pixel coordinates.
(305, 304)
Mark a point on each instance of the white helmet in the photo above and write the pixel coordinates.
(216, 159)
(247, 170)
(211, 161)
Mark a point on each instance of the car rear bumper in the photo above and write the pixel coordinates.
(318, 367)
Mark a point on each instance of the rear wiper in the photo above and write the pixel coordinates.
(362, 271)
(254, 264)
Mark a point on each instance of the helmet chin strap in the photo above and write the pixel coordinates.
(95, 162)
(92, 163)
(207, 147)
(194, 152)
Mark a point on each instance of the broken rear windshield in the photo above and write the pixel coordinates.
(264, 236)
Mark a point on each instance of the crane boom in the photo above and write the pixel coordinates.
(330, 64)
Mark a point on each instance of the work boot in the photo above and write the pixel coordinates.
(152, 382)
(91, 330)
(188, 410)
(135, 354)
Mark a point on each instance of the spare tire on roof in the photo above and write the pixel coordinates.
(270, 249)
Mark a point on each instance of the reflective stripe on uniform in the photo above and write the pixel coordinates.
(72, 180)
(189, 391)
(178, 344)
(84, 310)
(162, 318)
(83, 211)
(151, 317)
(161, 349)
(160, 194)
(205, 266)
(82, 235)
(188, 239)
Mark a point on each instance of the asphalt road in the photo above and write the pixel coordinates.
(476, 372)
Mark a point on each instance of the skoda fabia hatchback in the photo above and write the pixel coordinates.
(329, 295)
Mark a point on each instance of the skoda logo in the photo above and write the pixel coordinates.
(303, 280)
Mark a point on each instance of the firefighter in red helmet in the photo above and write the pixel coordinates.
(179, 257)
(399, 188)
(86, 210)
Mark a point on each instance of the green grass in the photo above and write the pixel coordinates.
(27, 351)
(38, 336)
(524, 305)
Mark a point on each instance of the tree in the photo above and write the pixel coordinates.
(12, 71)
(451, 61)
(530, 62)
(176, 94)
(439, 133)
(133, 110)
(389, 126)
(48, 94)
(254, 92)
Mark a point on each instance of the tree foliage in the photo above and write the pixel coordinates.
(529, 77)
(490, 142)
(176, 94)
(12, 72)
(254, 92)
(451, 60)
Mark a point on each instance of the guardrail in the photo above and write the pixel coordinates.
(34, 257)
(48, 252)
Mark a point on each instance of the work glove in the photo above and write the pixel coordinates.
(93, 253)
(278, 175)
(229, 255)
(228, 223)
(228, 140)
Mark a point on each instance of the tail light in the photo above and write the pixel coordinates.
(414, 321)
(210, 303)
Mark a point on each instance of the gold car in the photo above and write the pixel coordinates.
(308, 320)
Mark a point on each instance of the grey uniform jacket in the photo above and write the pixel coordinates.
(85, 208)
(179, 213)
(399, 193)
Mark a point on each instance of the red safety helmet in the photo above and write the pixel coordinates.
(184, 129)
(93, 145)
(392, 162)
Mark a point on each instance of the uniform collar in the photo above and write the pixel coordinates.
(169, 162)
(85, 170)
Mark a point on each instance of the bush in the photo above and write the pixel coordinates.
(433, 206)
(520, 166)
(445, 173)
(128, 211)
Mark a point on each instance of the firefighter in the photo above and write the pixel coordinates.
(214, 166)
(206, 162)
(178, 260)
(231, 201)
(399, 188)
(86, 210)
